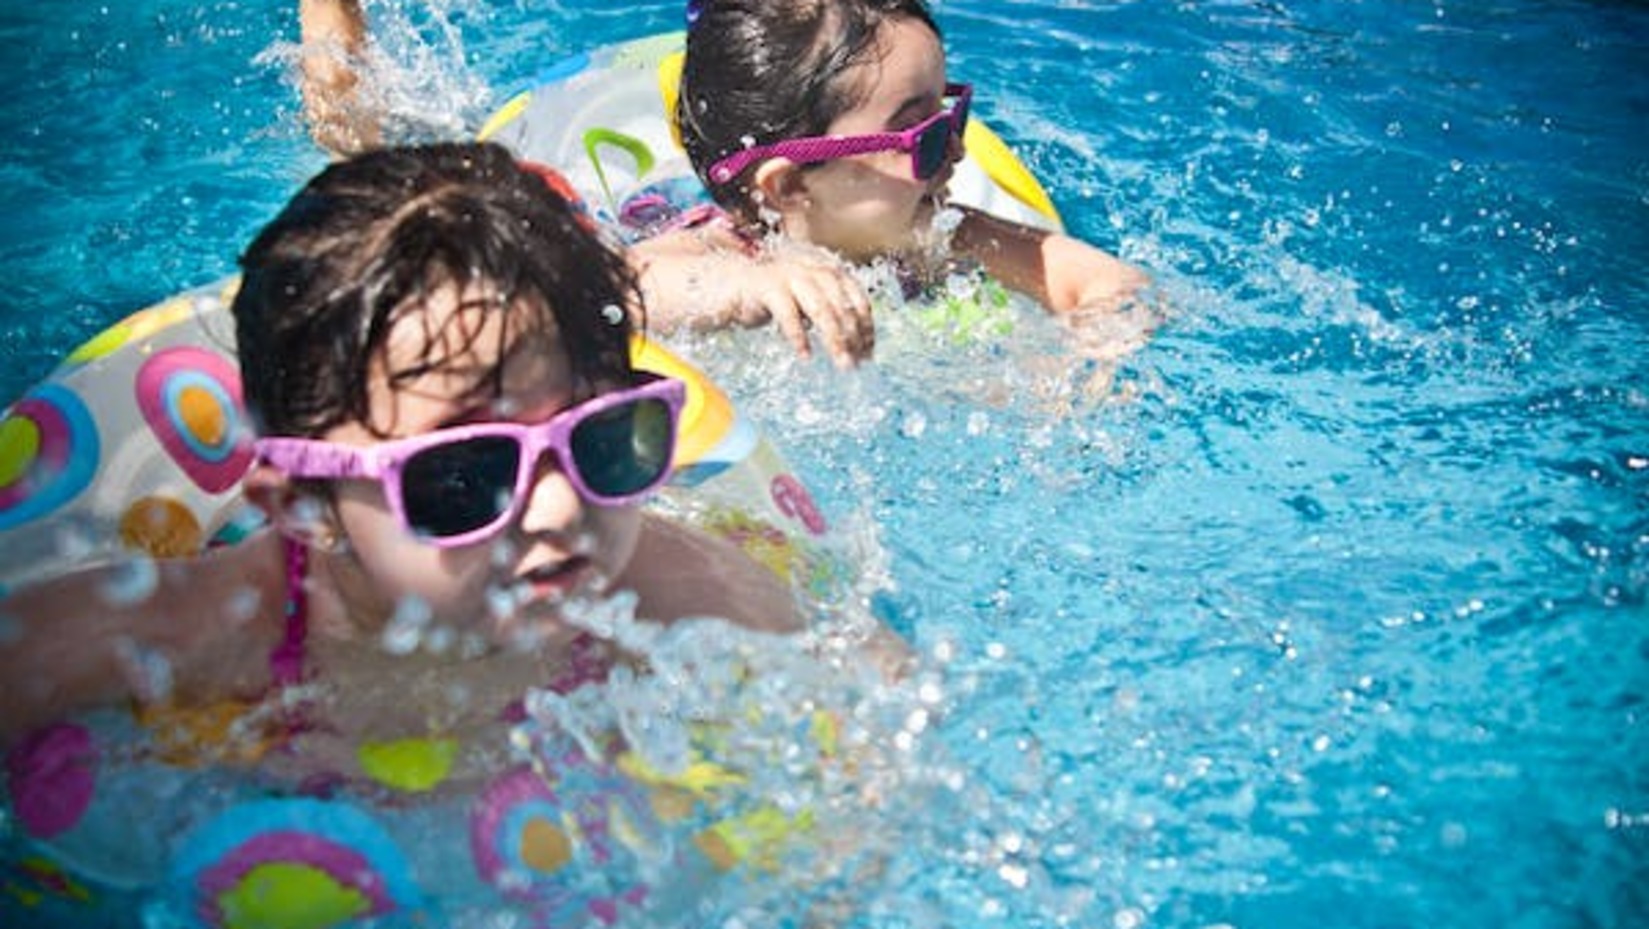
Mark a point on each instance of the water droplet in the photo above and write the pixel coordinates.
(406, 628)
(130, 582)
(147, 670)
(242, 605)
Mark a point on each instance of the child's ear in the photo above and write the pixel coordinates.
(780, 184)
(295, 513)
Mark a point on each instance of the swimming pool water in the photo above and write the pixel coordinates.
(1333, 613)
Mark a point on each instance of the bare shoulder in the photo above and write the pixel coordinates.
(679, 571)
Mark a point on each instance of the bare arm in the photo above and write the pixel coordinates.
(334, 36)
(192, 629)
(1063, 273)
(692, 573)
(681, 572)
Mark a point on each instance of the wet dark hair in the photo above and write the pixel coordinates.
(760, 71)
(353, 252)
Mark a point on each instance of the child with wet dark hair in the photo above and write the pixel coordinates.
(436, 354)
(835, 124)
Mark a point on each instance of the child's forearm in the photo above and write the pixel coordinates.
(707, 279)
(144, 630)
(67, 649)
(1062, 273)
(686, 282)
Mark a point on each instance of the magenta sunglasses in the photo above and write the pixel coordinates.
(928, 143)
(461, 485)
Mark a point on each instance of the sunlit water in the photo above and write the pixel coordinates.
(1331, 611)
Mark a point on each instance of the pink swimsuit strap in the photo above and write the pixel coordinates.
(286, 661)
(587, 660)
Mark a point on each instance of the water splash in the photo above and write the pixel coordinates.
(803, 757)
(415, 80)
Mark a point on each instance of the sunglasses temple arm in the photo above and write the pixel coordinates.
(304, 458)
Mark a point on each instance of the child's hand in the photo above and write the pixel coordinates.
(334, 34)
(708, 278)
(802, 294)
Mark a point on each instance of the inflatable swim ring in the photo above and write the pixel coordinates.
(603, 118)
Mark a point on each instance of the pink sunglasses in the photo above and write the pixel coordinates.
(459, 486)
(928, 143)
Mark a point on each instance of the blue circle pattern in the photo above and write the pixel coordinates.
(85, 452)
(215, 453)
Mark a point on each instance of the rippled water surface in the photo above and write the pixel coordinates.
(1331, 613)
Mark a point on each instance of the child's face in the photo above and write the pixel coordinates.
(867, 206)
(558, 546)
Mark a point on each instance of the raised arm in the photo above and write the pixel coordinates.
(333, 33)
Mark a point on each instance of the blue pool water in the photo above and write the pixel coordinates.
(1333, 614)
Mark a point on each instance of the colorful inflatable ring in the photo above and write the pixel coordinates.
(605, 119)
(551, 839)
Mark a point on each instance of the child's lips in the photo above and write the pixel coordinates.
(556, 581)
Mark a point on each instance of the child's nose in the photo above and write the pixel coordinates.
(553, 504)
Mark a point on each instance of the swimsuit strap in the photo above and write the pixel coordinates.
(286, 661)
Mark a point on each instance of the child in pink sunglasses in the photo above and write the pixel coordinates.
(835, 123)
(435, 351)
(826, 132)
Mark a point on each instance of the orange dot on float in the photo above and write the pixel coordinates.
(544, 847)
(202, 415)
(161, 527)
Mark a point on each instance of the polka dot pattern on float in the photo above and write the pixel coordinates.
(791, 497)
(191, 399)
(161, 527)
(533, 843)
(49, 451)
(51, 776)
(295, 862)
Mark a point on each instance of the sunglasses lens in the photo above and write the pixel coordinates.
(452, 489)
(624, 450)
(932, 148)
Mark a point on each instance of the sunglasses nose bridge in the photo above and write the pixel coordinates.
(550, 499)
(541, 454)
